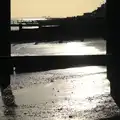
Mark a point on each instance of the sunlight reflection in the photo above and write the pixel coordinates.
(90, 86)
(94, 85)
(55, 48)
(33, 27)
(76, 48)
(86, 69)
(87, 86)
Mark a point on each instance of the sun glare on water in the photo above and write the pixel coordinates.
(75, 48)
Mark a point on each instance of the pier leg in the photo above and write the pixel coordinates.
(5, 54)
(113, 49)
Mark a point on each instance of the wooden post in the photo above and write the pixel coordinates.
(20, 27)
(39, 26)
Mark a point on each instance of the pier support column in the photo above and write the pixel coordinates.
(5, 43)
(113, 49)
(5, 65)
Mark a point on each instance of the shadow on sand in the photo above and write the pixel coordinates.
(117, 117)
(10, 113)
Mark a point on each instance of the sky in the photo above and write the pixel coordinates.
(52, 8)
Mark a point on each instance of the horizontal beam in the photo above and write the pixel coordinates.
(30, 25)
(42, 63)
(63, 22)
(17, 25)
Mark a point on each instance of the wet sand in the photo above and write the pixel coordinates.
(66, 94)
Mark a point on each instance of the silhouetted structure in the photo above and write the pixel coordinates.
(91, 25)
(113, 49)
(67, 29)
(5, 65)
(99, 12)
